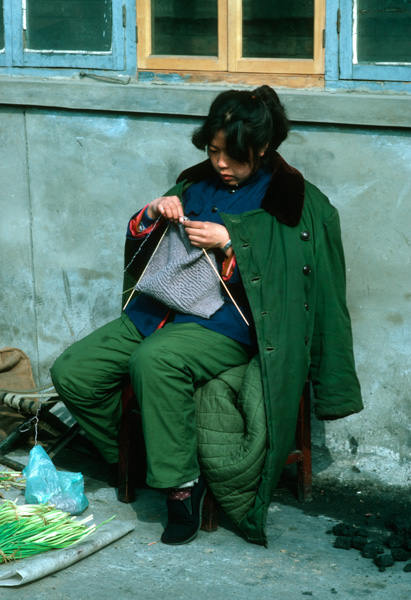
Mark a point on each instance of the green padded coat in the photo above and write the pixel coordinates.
(291, 261)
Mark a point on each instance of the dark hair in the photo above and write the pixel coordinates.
(250, 120)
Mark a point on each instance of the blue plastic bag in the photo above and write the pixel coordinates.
(44, 484)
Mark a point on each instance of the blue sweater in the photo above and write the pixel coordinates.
(203, 201)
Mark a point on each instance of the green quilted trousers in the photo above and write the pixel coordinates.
(165, 368)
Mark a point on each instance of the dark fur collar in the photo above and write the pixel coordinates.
(284, 198)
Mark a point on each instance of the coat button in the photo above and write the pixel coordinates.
(306, 341)
(306, 269)
(306, 306)
(305, 236)
(214, 209)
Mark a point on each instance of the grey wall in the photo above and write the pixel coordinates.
(69, 182)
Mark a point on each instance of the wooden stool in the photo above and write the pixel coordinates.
(301, 456)
(132, 449)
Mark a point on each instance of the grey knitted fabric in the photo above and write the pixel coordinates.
(180, 276)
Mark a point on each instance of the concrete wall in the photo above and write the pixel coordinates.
(69, 181)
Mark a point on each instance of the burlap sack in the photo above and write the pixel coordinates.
(15, 370)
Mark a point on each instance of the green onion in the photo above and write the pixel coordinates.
(10, 479)
(33, 528)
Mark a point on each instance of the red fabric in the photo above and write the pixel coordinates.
(135, 223)
(179, 493)
(228, 267)
(164, 321)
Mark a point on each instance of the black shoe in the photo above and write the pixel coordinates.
(112, 475)
(184, 516)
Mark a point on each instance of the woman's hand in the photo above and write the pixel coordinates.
(168, 207)
(204, 234)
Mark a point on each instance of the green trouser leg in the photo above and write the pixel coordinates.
(165, 369)
(88, 377)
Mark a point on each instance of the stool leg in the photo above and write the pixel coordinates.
(209, 520)
(303, 443)
(127, 450)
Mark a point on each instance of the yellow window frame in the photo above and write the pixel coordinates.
(229, 57)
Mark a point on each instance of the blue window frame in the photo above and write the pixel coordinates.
(67, 34)
(374, 39)
(3, 33)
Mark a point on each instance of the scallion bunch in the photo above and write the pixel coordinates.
(34, 528)
(10, 479)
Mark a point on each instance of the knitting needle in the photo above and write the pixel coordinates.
(225, 287)
(129, 298)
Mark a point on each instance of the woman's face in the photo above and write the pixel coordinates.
(231, 171)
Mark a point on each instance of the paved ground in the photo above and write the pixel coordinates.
(299, 563)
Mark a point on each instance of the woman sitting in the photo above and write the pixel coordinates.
(277, 246)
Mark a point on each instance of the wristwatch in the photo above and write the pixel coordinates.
(227, 246)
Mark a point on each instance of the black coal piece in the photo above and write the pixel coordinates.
(372, 550)
(383, 561)
(343, 542)
(400, 554)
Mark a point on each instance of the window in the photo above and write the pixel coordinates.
(238, 36)
(2, 51)
(375, 40)
(298, 43)
(65, 33)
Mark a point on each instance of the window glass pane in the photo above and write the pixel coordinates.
(1, 26)
(278, 29)
(182, 27)
(383, 31)
(69, 25)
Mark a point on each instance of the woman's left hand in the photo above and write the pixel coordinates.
(204, 234)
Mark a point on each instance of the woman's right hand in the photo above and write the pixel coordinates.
(168, 207)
